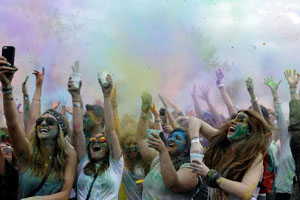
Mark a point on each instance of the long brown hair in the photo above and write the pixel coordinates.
(90, 168)
(38, 161)
(233, 166)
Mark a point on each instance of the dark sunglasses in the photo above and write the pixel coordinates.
(50, 121)
(240, 117)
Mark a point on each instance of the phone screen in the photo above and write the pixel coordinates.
(9, 53)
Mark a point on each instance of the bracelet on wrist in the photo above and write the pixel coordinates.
(253, 101)
(195, 140)
(76, 104)
(7, 91)
(36, 99)
(212, 178)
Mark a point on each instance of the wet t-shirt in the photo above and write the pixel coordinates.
(154, 187)
(107, 184)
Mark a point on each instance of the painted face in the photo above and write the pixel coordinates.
(176, 142)
(239, 128)
(89, 120)
(131, 147)
(7, 151)
(98, 147)
(47, 127)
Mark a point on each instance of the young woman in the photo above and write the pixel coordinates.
(45, 154)
(170, 176)
(233, 163)
(100, 172)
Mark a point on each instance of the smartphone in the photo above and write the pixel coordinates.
(162, 112)
(9, 53)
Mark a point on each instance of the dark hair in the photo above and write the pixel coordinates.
(90, 167)
(98, 111)
(219, 156)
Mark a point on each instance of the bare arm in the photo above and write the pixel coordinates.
(112, 138)
(156, 124)
(35, 107)
(255, 104)
(114, 105)
(197, 126)
(197, 108)
(20, 144)
(78, 135)
(169, 115)
(26, 102)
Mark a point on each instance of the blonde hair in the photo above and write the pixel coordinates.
(38, 161)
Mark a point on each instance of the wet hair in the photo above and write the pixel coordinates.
(90, 167)
(219, 154)
(37, 162)
(98, 111)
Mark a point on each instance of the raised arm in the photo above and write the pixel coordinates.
(197, 108)
(157, 121)
(20, 144)
(112, 138)
(169, 115)
(148, 154)
(204, 94)
(26, 102)
(35, 107)
(182, 180)
(293, 80)
(114, 105)
(250, 88)
(78, 135)
(226, 98)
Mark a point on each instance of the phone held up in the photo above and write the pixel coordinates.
(9, 53)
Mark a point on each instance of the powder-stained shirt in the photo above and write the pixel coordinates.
(107, 184)
(154, 187)
(129, 180)
(286, 164)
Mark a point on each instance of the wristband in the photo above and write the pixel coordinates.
(212, 178)
(195, 140)
(36, 99)
(253, 101)
(7, 91)
(76, 104)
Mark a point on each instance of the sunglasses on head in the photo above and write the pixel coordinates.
(240, 117)
(98, 139)
(50, 121)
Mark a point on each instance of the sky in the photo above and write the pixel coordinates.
(156, 46)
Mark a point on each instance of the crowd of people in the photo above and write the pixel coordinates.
(252, 153)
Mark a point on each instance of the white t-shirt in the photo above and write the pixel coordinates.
(107, 184)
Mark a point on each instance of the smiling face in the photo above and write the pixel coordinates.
(131, 147)
(98, 147)
(47, 127)
(176, 143)
(239, 128)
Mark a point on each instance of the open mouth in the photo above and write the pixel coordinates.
(232, 129)
(96, 147)
(171, 144)
(44, 130)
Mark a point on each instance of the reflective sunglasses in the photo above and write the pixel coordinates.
(50, 121)
(240, 117)
(98, 139)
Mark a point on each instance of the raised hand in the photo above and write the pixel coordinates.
(204, 92)
(156, 143)
(107, 90)
(269, 81)
(6, 72)
(75, 67)
(39, 77)
(194, 91)
(68, 109)
(293, 79)
(146, 102)
(154, 110)
(250, 85)
(220, 76)
(163, 101)
(74, 91)
(113, 97)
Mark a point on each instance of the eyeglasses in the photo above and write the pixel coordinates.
(50, 121)
(97, 139)
(240, 117)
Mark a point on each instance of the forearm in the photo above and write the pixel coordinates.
(26, 109)
(255, 104)
(141, 132)
(238, 189)
(197, 108)
(79, 138)
(214, 113)
(293, 93)
(35, 109)
(157, 122)
(168, 171)
(117, 122)
(171, 120)
(227, 100)
(111, 135)
(2, 163)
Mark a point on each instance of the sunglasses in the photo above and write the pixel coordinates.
(240, 117)
(98, 139)
(7, 150)
(49, 121)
